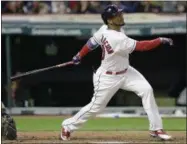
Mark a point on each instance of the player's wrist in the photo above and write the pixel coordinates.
(166, 40)
(77, 58)
(162, 40)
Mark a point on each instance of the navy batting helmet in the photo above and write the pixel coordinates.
(109, 12)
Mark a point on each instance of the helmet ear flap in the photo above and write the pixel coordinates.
(104, 18)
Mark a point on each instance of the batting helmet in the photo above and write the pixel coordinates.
(109, 12)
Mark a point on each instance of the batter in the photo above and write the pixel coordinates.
(115, 73)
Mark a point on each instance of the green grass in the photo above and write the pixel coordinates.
(50, 123)
(165, 101)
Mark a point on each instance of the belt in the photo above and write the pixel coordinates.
(116, 73)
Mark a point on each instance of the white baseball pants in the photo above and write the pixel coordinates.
(105, 86)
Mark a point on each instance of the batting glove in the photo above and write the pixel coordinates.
(166, 41)
(76, 59)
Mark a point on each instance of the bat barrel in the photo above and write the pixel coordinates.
(40, 70)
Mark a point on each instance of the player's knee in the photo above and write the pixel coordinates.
(97, 109)
(146, 89)
(149, 89)
(97, 106)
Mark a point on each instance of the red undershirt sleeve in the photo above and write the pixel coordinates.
(84, 51)
(147, 44)
(89, 46)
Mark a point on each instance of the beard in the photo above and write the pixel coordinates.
(119, 24)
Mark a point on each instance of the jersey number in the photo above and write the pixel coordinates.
(105, 46)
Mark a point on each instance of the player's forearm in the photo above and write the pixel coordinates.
(89, 46)
(147, 44)
(84, 51)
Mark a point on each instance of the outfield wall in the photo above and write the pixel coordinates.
(108, 112)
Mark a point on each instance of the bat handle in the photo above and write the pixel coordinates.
(65, 64)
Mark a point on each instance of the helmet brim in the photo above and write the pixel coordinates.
(120, 10)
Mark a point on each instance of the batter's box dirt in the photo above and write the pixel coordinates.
(95, 137)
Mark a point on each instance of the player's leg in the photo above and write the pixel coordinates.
(182, 98)
(105, 86)
(136, 82)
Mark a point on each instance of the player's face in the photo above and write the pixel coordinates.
(118, 20)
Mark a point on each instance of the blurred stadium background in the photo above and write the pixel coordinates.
(40, 34)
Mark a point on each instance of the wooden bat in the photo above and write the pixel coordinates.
(41, 70)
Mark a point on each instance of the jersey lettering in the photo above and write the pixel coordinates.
(105, 46)
(103, 53)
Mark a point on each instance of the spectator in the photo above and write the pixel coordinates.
(130, 6)
(152, 6)
(35, 7)
(181, 7)
(14, 7)
(83, 6)
(169, 6)
(79, 7)
(27, 7)
(73, 6)
(145, 5)
(44, 8)
(155, 6)
(10, 7)
(59, 7)
(19, 7)
(32, 7)
(94, 7)
(139, 7)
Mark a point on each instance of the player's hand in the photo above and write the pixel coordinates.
(76, 59)
(166, 41)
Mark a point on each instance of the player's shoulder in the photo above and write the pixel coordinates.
(97, 36)
(103, 27)
(100, 31)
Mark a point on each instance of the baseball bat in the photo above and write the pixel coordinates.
(40, 70)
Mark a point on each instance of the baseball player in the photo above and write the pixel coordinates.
(115, 73)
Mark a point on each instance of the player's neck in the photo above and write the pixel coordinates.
(113, 27)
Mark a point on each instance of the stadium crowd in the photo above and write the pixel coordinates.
(93, 7)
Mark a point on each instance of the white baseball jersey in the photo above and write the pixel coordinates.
(116, 48)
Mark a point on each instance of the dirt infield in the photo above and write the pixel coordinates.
(95, 137)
